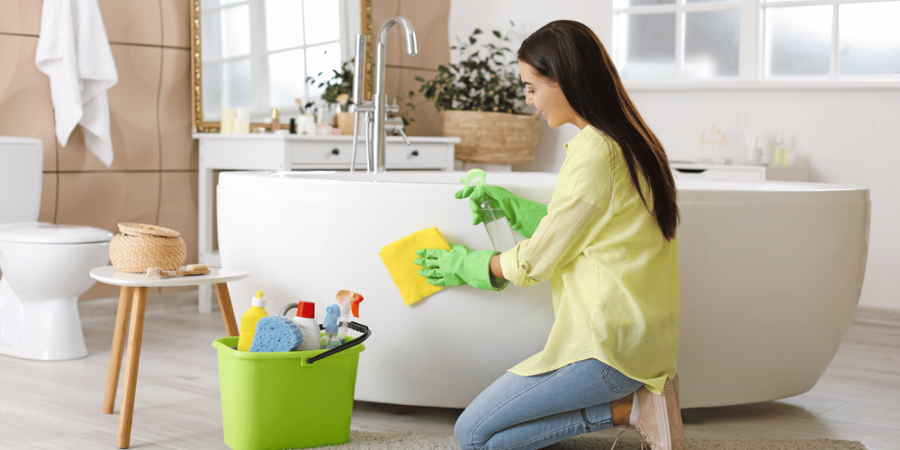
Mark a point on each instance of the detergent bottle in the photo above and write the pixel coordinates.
(349, 302)
(248, 321)
(306, 320)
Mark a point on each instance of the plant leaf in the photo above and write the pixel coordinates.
(496, 33)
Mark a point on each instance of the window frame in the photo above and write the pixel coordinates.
(259, 55)
(751, 63)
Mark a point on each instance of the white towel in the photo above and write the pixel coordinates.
(74, 52)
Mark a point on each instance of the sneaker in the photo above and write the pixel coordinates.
(658, 418)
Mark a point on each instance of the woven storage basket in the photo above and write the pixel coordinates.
(140, 246)
(492, 137)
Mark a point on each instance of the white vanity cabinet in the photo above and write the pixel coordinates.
(738, 172)
(281, 152)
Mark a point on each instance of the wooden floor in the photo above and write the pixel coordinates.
(57, 405)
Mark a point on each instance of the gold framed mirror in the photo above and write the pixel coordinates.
(243, 55)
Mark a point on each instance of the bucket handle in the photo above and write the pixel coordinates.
(353, 326)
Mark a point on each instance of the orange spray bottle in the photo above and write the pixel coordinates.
(349, 302)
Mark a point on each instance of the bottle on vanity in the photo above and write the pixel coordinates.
(779, 152)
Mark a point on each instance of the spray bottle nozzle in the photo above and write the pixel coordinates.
(349, 300)
(334, 311)
(477, 174)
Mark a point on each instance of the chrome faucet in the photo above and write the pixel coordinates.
(377, 110)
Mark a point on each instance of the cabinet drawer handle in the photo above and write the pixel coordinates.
(335, 151)
(690, 170)
(415, 153)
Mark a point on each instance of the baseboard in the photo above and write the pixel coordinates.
(871, 315)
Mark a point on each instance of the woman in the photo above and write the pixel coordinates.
(607, 243)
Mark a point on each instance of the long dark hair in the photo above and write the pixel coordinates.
(570, 54)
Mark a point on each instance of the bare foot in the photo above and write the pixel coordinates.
(621, 410)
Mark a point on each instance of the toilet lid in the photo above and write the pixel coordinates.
(49, 233)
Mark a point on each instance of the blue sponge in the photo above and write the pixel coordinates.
(276, 334)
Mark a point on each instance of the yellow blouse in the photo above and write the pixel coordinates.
(614, 276)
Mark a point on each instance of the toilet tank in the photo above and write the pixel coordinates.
(21, 170)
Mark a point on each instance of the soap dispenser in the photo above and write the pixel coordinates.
(779, 152)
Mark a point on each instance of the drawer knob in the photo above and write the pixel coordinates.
(335, 151)
(415, 153)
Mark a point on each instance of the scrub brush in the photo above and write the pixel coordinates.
(276, 334)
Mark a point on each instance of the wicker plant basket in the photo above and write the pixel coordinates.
(491, 137)
(140, 246)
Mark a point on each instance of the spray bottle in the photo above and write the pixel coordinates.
(349, 302)
(331, 328)
(496, 224)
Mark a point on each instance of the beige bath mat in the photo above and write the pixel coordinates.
(363, 440)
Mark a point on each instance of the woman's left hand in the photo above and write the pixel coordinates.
(460, 265)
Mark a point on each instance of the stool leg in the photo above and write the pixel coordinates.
(118, 344)
(227, 311)
(132, 358)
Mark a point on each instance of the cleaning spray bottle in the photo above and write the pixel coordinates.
(248, 321)
(496, 224)
(331, 328)
(349, 302)
(306, 320)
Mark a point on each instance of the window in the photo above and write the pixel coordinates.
(824, 40)
(677, 38)
(257, 54)
(832, 38)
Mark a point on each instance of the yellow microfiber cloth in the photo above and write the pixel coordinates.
(398, 257)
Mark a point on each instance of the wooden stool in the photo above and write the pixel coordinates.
(133, 295)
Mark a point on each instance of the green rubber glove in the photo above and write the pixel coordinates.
(460, 265)
(524, 215)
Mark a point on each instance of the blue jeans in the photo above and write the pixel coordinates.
(520, 413)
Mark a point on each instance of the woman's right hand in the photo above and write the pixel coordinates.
(477, 195)
(524, 215)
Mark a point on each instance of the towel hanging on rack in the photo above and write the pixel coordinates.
(74, 52)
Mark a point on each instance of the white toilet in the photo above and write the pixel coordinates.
(44, 266)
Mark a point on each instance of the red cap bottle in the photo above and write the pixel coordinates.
(306, 310)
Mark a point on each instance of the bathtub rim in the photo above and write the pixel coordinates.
(689, 191)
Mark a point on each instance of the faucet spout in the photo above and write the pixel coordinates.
(412, 46)
(380, 98)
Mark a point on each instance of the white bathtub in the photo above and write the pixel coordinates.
(771, 274)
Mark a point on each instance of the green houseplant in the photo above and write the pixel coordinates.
(339, 83)
(481, 99)
(338, 89)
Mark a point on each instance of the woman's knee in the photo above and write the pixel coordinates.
(465, 431)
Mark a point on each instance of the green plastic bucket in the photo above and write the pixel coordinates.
(274, 401)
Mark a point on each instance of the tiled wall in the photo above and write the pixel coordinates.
(153, 178)
(430, 20)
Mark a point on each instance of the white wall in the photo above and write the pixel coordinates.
(846, 136)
